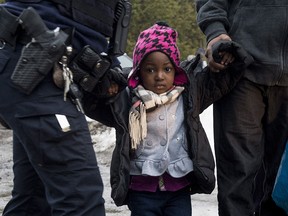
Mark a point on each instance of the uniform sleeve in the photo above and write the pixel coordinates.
(212, 17)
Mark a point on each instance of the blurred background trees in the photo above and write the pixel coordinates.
(179, 14)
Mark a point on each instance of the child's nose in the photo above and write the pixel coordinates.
(160, 75)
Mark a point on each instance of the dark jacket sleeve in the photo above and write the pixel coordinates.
(212, 17)
(211, 86)
(98, 109)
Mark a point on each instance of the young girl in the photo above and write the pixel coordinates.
(162, 154)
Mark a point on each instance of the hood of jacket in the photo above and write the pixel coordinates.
(159, 37)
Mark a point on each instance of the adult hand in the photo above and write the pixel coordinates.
(226, 57)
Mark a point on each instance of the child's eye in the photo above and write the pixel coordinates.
(168, 69)
(150, 70)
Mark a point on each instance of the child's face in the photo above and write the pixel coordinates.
(157, 73)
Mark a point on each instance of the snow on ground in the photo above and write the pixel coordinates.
(104, 138)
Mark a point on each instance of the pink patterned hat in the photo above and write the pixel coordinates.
(159, 37)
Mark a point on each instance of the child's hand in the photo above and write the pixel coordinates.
(227, 58)
(113, 89)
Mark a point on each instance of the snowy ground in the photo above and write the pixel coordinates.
(203, 205)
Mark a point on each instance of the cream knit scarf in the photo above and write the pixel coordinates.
(145, 101)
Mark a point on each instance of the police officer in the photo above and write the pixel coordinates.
(55, 168)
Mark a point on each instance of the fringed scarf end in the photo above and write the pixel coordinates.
(137, 125)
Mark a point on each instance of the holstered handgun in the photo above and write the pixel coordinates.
(38, 56)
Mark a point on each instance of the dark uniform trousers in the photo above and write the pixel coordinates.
(56, 172)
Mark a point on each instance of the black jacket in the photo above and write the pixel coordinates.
(260, 26)
(203, 89)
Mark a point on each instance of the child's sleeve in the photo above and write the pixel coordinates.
(211, 86)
